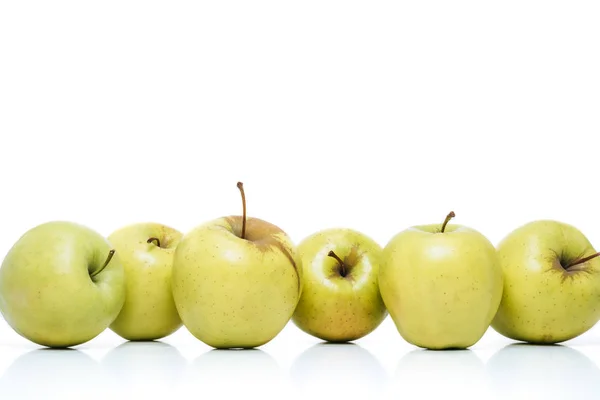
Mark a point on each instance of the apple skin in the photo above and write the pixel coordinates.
(232, 292)
(442, 290)
(332, 307)
(542, 302)
(47, 294)
(149, 312)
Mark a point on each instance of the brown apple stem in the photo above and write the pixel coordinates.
(240, 186)
(582, 260)
(154, 240)
(343, 271)
(448, 218)
(110, 256)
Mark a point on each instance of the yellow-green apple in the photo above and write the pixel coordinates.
(146, 251)
(551, 283)
(340, 298)
(61, 284)
(235, 281)
(441, 284)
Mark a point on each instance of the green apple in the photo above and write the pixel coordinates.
(146, 251)
(61, 285)
(235, 281)
(441, 284)
(340, 298)
(551, 283)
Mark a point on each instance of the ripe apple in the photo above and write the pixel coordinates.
(235, 281)
(61, 285)
(146, 251)
(441, 284)
(340, 298)
(551, 283)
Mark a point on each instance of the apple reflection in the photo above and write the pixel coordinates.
(440, 373)
(52, 374)
(233, 373)
(143, 368)
(340, 370)
(543, 372)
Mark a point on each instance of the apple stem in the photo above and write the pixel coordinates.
(240, 186)
(155, 240)
(110, 256)
(582, 260)
(343, 271)
(448, 218)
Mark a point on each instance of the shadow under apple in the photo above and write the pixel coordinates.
(342, 370)
(233, 373)
(52, 374)
(542, 372)
(440, 373)
(144, 367)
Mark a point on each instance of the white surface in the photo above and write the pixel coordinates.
(371, 115)
(295, 365)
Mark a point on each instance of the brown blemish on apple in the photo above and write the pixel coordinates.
(354, 256)
(263, 235)
(547, 339)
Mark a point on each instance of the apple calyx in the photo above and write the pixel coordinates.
(110, 256)
(448, 218)
(581, 260)
(154, 240)
(240, 186)
(343, 269)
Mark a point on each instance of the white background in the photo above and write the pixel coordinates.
(369, 115)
